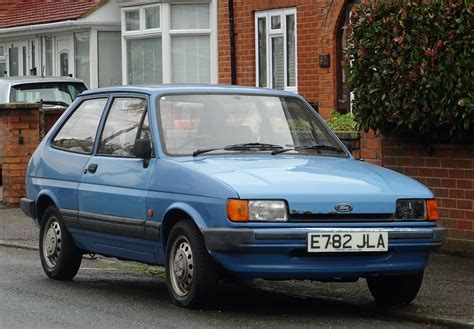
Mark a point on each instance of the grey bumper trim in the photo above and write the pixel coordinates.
(228, 239)
(28, 207)
(239, 239)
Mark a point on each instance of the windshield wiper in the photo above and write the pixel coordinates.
(241, 147)
(249, 146)
(310, 147)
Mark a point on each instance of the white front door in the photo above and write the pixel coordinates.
(18, 59)
(64, 56)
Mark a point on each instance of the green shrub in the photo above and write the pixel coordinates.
(342, 122)
(412, 69)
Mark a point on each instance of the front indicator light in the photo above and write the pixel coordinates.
(432, 210)
(238, 210)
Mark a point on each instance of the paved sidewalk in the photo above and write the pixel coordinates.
(446, 297)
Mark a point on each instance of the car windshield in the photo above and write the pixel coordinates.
(61, 93)
(196, 124)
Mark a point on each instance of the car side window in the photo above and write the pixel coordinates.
(125, 123)
(79, 131)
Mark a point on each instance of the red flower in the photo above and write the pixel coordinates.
(429, 52)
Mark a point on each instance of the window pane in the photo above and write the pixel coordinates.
(276, 22)
(121, 127)
(191, 59)
(278, 70)
(82, 61)
(262, 52)
(64, 64)
(132, 20)
(25, 61)
(152, 18)
(79, 131)
(3, 68)
(190, 16)
(49, 55)
(2, 50)
(144, 61)
(13, 61)
(290, 50)
(33, 55)
(110, 59)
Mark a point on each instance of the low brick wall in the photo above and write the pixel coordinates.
(448, 170)
(19, 137)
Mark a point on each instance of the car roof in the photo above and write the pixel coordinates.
(197, 89)
(37, 79)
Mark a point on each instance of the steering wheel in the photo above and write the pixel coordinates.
(196, 138)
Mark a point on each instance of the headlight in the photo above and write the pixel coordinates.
(271, 210)
(256, 210)
(416, 209)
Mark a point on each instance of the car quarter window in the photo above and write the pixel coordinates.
(125, 123)
(79, 131)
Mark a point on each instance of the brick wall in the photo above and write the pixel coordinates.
(316, 34)
(448, 170)
(19, 137)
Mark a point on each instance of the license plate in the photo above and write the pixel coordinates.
(347, 241)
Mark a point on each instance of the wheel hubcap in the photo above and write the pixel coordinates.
(52, 243)
(181, 266)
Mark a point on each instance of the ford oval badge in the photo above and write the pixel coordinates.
(343, 207)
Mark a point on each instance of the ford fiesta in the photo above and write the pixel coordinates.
(211, 181)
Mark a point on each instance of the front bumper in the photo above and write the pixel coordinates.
(28, 207)
(282, 253)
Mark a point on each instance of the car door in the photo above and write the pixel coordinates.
(62, 163)
(113, 190)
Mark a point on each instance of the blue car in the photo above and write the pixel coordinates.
(214, 181)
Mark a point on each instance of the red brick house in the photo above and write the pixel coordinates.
(296, 45)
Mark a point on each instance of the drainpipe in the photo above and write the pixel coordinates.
(233, 68)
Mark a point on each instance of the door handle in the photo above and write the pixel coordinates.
(92, 168)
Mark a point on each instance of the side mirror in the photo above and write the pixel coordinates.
(348, 146)
(142, 150)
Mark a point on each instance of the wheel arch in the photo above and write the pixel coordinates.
(176, 212)
(43, 201)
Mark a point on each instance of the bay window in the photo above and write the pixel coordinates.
(275, 48)
(168, 43)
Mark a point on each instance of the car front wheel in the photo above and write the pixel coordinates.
(59, 256)
(191, 275)
(395, 290)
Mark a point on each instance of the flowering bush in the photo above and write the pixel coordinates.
(412, 68)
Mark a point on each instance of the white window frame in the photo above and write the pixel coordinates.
(269, 34)
(165, 32)
(3, 57)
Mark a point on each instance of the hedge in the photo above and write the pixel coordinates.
(412, 68)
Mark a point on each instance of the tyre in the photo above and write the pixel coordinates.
(59, 256)
(395, 290)
(191, 275)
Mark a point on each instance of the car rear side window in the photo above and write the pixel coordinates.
(79, 131)
(122, 127)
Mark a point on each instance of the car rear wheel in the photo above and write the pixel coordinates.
(191, 275)
(59, 256)
(395, 290)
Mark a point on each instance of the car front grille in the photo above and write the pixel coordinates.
(336, 217)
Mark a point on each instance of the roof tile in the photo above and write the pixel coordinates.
(29, 12)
